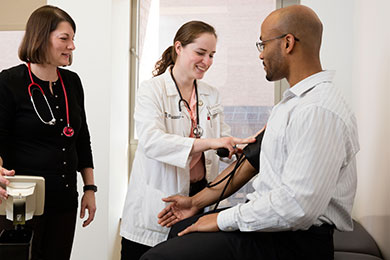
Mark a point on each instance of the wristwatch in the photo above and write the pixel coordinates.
(90, 187)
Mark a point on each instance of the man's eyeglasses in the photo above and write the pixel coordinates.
(260, 44)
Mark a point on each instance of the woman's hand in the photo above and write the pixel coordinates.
(181, 207)
(230, 143)
(88, 202)
(4, 182)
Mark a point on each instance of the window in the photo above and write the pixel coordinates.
(237, 71)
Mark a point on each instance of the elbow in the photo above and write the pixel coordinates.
(149, 148)
(304, 220)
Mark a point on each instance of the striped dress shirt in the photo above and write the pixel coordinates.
(307, 163)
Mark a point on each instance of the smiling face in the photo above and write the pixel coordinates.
(196, 58)
(61, 45)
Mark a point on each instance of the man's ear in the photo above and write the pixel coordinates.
(290, 43)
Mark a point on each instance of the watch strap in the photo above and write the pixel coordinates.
(90, 187)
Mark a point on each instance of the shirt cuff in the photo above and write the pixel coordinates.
(226, 220)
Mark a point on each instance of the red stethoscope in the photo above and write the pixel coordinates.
(68, 130)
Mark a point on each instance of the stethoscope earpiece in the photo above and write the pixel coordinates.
(52, 122)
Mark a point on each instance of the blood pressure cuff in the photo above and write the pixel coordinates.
(252, 151)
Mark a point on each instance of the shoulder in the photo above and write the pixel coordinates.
(68, 74)
(325, 100)
(14, 80)
(207, 89)
(206, 86)
(15, 72)
(71, 79)
(154, 85)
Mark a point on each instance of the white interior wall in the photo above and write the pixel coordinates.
(101, 60)
(372, 70)
(355, 43)
(119, 133)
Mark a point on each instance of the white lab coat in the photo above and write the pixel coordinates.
(161, 163)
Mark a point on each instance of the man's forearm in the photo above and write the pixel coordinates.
(209, 196)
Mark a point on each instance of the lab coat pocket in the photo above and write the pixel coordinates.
(214, 110)
(213, 119)
(152, 205)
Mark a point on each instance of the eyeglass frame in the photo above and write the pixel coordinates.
(260, 44)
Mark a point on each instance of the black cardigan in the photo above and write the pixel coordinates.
(31, 147)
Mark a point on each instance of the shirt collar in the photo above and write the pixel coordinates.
(171, 88)
(310, 82)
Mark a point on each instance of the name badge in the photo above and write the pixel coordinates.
(168, 115)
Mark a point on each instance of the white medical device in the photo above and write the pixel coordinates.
(26, 198)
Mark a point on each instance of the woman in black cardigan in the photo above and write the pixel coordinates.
(44, 132)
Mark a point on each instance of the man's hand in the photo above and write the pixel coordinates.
(88, 202)
(207, 223)
(4, 181)
(181, 207)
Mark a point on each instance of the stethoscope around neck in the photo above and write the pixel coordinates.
(68, 130)
(197, 131)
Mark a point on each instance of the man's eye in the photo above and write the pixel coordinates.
(200, 53)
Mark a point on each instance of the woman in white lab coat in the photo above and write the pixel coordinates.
(179, 122)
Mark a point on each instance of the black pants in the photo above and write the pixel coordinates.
(132, 250)
(53, 234)
(313, 244)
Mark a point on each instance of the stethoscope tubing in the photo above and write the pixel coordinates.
(198, 131)
(68, 130)
(53, 120)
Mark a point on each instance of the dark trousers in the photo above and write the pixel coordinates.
(315, 243)
(132, 250)
(53, 234)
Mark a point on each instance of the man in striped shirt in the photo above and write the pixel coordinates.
(307, 180)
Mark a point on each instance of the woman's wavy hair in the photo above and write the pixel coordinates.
(186, 34)
(35, 43)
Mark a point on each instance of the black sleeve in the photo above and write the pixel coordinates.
(83, 143)
(7, 113)
(252, 151)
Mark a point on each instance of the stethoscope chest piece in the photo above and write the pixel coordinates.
(198, 131)
(68, 131)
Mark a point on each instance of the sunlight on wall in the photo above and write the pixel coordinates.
(148, 58)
